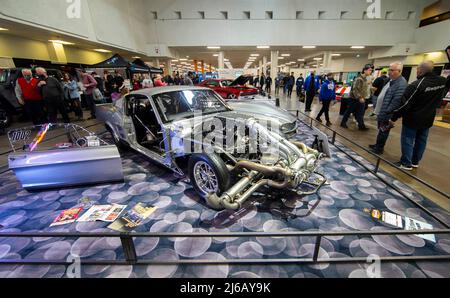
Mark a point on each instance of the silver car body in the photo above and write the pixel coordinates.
(67, 165)
(297, 164)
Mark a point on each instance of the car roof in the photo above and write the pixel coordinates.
(160, 90)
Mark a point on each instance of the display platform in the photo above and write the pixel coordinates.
(337, 207)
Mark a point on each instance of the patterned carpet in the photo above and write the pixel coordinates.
(338, 206)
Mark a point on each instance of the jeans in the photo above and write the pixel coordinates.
(414, 143)
(325, 109)
(90, 103)
(382, 137)
(289, 89)
(356, 108)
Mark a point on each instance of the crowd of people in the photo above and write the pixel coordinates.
(392, 98)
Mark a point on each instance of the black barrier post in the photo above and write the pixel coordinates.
(377, 167)
(317, 248)
(333, 140)
(277, 102)
(129, 249)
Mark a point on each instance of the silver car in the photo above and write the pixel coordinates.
(227, 152)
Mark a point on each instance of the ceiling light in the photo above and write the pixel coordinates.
(216, 55)
(317, 59)
(213, 47)
(174, 60)
(301, 60)
(280, 58)
(263, 47)
(102, 50)
(286, 55)
(61, 42)
(309, 47)
(136, 57)
(3, 29)
(226, 60)
(336, 55)
(358, 47)
(254, 55)
(183, 59)
(357, 56)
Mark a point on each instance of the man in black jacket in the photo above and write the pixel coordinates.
(419, 104)
(52, 92)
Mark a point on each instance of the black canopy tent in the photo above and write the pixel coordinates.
(153, 70)
(118, 62)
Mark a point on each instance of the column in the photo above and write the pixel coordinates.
(274, 67)
(157, 63)
(221, 62)
(169, 66)
(264, 65)
(203, 68)
(196, 66)
(260, 68)
(327, 60)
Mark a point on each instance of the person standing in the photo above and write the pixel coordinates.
(52, 91)
(158, 81)
(72, 95)
(390, 102)
(90, 84)
(277, 85)
(418, 109)
(262, 82)
(357, 102)
(268, 84)
(299, 84)
(147, 82)
(311, 87)
(290, 84)
(100, 82)
(256, 82)
(187, 81)
(378, 86)
(28, 95)
(326, 95)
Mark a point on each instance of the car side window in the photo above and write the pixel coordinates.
(131, 99)
(212, 83)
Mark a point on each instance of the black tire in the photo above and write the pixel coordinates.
(231, 96)
(218, 167)
(5, 118)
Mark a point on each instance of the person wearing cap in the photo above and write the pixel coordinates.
(358, 95)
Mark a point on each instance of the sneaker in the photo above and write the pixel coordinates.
(415, 166)
(329, 123)
(363, 128)
(374, 149)
(318, 119)
(344, 125)
(403, 167)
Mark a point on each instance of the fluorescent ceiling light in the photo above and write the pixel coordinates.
(174, 60)
(286, 55)
(216, 55)
(280, 58)
(102, 50)
(136, 57)
(301, 60)
(336, 55)
(263, 47)
(3, 29)
(183, 59)
(309, 47)
(317, 59)
(358, 47)
(254, 55)
(61, 42)
(226, 60)
(213, 47)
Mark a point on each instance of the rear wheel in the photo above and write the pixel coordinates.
(231, 96)
(208, 174)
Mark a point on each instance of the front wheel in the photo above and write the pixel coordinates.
(231, 96)
(208, 174)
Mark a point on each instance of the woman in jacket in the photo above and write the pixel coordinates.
(326, 96)
(72, 94)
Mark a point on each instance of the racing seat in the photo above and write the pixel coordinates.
(145, 123)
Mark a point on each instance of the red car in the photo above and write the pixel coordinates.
(230, 89)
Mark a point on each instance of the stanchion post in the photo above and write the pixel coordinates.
(129, 249)
(317, 248)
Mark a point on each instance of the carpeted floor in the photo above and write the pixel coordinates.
(337, 206)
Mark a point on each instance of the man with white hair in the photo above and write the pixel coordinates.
(28, 95)
(389, 100)
(52, 91)
(418, 109)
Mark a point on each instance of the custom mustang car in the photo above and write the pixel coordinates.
(230, 89)
(78, 157)
(227, 154)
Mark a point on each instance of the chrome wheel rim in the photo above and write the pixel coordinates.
(205, 178)
(232, 96)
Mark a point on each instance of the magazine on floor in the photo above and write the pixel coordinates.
(67, 216)
(133, 218)
(108, 213)
(413, 225)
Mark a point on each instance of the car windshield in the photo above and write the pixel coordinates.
(184, 104)
(226, 83)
